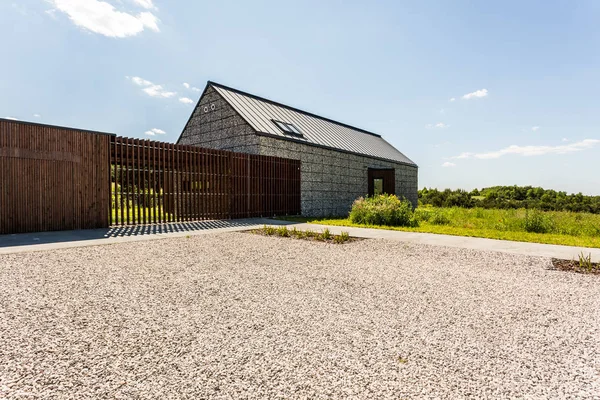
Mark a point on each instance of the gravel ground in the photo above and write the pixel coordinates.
(243, 316)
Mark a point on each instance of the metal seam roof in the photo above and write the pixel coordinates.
(316, 130)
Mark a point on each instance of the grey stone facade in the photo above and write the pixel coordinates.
(219, 127)
(331, 180)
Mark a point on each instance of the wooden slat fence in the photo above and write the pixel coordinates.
(155, 182)
(52, 178)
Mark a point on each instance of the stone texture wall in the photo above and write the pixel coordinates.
(332, 180)
(216, 125)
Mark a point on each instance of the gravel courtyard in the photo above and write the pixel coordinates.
(235, 315)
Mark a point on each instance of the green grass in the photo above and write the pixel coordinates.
(133, 211)
(563, 228)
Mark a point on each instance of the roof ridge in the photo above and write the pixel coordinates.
(290, 107)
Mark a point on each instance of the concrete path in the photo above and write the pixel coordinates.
(56, 240)
(26, 242)
(505, 246)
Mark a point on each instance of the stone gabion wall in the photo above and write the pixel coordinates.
(216, 125)
(332, 180)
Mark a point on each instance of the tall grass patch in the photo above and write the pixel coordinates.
(384, 209)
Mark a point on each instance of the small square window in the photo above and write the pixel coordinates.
(288, 128)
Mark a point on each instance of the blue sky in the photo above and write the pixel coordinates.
(524, 76)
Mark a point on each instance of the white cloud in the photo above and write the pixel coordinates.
(464, 155)
(155, 131)
(51, 13)
(439, 125)
(147, 4)
(529, 151)
(11, 118)
(140, 82)
(535, 128)
(448, 164)
(186, 100)
(150, 88)
(565, 139)
(37, 115)
(453, 99)
(476, 94)
(158, 91)
(102, 18)
(190, 87)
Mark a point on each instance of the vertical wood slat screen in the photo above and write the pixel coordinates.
(155, 182)
(52, 178)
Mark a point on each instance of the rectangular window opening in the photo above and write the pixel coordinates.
(377, 186)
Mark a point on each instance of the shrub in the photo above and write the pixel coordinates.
(535, 221)
(439, 218)
(383, 210)
(422, 215)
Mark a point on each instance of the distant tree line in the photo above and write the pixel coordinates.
(511, 197)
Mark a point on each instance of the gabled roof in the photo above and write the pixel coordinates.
(261, 113)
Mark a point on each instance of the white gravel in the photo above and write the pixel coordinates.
(242, 316)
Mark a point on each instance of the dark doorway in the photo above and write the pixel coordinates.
(382, 181)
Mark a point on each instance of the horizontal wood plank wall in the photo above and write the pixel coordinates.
(52, 178)
(154, 182)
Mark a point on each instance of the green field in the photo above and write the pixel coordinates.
(560, 227)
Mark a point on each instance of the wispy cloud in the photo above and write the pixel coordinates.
(535, 128)
(476, 94)
(448, 164)
(101, 17)
(529, 151)
(140, 81)
(150, 88)
(155, 131)
(453, 99)
(19, 8)
(147, 4)
(439, 125)
(190, 87)
(37, 115)
(186, 100)
(565, 139)
(158, 91)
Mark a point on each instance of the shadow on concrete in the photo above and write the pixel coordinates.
(27, 239)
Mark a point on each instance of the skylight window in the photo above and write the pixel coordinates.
(288, 128)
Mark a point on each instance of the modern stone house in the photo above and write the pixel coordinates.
(339, 162)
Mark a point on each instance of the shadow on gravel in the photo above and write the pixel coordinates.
(26, 239)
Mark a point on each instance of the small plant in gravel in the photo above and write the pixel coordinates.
(283, 231)
(269, 230)
(341, 238)
(326, 234)
(585, 262)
